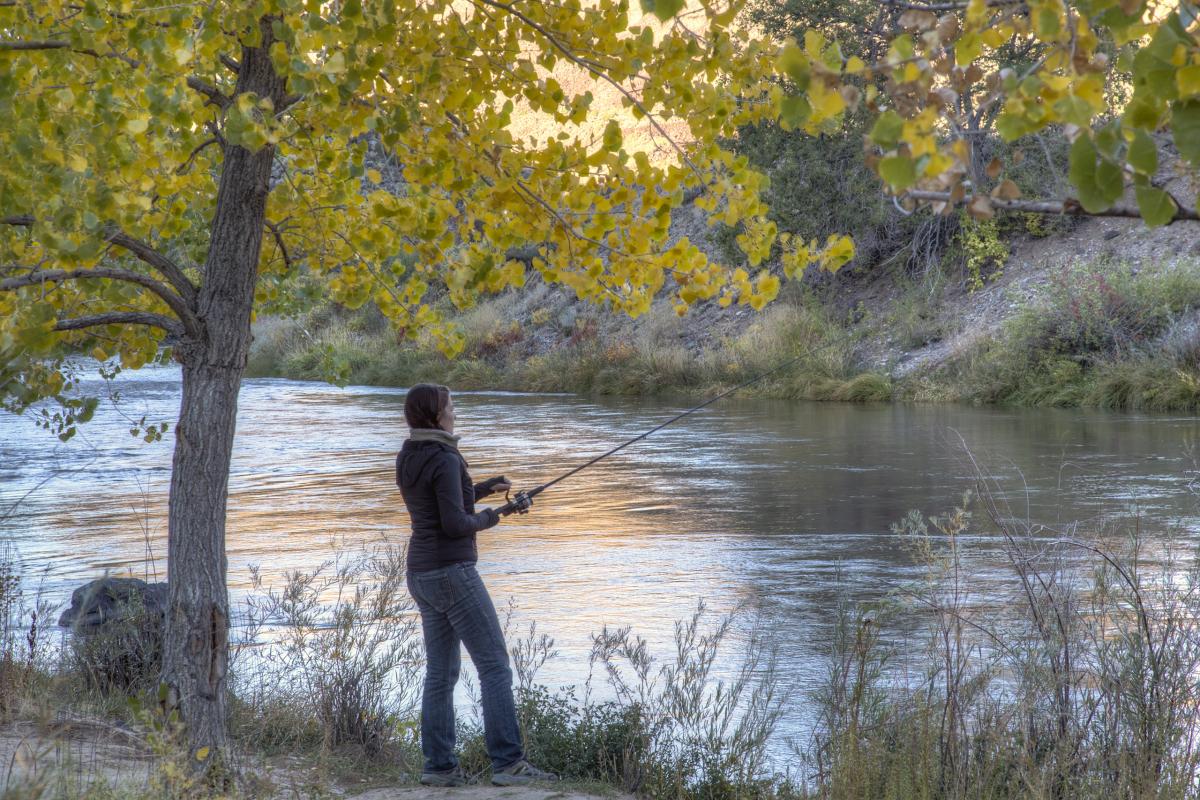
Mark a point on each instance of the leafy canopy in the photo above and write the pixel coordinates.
(1109, 74)
(115, 117)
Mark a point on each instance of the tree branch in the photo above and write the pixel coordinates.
(951, 6)
(278, 234)
(142, 251)
(182, 168)
(1070, 206)
(10, 44)
(121, 318)
(174, 301)
(148, 255)
(215, 96)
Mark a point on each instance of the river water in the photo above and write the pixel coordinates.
(783, 508)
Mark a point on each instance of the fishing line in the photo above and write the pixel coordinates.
(522, 502)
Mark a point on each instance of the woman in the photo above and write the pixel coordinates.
(455, 606)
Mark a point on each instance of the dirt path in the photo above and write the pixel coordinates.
(68, 756)
(480, 793)
(70, 753)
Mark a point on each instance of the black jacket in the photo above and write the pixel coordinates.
(441, 502)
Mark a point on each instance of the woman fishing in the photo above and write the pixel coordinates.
(454, 604)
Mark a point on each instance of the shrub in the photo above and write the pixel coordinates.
(123, 656)
(353, 664)
(984, 254)
(1072, 674)
(1101, 334)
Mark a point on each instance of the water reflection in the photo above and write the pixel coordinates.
(786, 506)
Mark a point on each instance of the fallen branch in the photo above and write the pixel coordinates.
(1069, 207)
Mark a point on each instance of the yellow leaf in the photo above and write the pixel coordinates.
(993, 37)
(335, 65)
(137, 124)
(938, 163)
(855, 66)
(374, 176)
(967, 48)
(977, 13)
(1091, 90)
(814, 43)
(77, 162)
(202, 753)
(839, 250)
(1188, 80)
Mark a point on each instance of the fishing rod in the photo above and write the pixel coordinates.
(524, 499)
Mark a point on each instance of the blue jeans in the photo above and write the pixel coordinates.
(455, 607)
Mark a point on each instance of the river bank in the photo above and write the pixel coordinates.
(1076, 681)
(1106, 315)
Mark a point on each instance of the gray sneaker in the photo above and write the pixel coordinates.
(521, 773)
(449, 777)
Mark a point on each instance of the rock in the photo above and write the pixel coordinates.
(118, 625)
(113, 599)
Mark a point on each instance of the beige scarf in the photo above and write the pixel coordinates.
(434, 435)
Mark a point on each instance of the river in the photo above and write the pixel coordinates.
(784, 508)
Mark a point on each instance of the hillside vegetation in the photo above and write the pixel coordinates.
(1021, 310)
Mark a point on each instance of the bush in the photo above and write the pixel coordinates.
(671, 730)
(124, 656)
(1076, 682)
(1100, 335)
(23, 651)
(353, 665)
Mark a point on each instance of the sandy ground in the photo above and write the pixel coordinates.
(70, 752)
(476, 793)
(69, 755)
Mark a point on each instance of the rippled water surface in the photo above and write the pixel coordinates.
(785, 506)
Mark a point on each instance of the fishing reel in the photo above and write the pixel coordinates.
(517, 505)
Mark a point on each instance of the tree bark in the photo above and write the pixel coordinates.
(195, 657)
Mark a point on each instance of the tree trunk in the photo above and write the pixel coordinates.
(196, 649)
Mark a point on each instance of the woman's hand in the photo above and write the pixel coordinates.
(503, 486)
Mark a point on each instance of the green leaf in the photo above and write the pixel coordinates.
(1074, 110)
(612, 136)
(1143, 154)
(663, 9)
(1110, 180)
(794, 111)
(1046, 23)
(1011, 127)
(1098, 182)
(795, 64)
(1108, 140)
(1185, 124)
(1142, 112)
(887, 129)
(899, 172)
(1156, 206)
